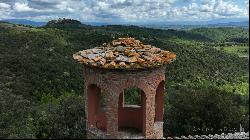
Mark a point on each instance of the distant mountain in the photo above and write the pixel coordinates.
(64, 23)
(25, 22)
(197, 24)
(226, 20)
(239, 22)
(96, 23)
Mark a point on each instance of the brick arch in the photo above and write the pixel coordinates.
(133, 117)
(96, 116)
(113, 83)
(156, 81)
(159, 102)
(140, 85)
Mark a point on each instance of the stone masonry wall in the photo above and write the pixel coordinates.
(113, 83)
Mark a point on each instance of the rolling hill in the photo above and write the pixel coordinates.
(37, 68)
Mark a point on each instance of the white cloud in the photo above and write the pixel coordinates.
(209, 9)
(4, 6)
(123, 10)
(246, 11)
(206, 8)
(5, 10)
(226, 9)
(23, 7)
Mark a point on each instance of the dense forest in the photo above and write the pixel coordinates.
(41, 87)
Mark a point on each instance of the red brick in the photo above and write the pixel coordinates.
(112, 83)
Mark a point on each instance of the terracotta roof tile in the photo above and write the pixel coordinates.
(124, 53)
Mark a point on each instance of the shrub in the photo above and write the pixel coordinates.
(16, 119)
(206, 111)
(62, 117)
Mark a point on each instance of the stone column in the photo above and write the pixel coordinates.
(150, 114)
(112, 114)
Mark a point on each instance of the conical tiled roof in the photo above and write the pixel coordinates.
(124, 53)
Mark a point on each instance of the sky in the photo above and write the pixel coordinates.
(124, 10)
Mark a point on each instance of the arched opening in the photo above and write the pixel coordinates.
(96, 108)
(159, 102)
(132, 105)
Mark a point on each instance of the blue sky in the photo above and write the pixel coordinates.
(124, 10)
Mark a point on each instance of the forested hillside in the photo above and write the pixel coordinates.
(41, 87)
(222, 34)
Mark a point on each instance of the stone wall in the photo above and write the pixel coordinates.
(236, 135)
(112, 83)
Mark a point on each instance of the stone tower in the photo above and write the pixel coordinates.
(111, 69)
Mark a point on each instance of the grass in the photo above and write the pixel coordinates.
(241, 51)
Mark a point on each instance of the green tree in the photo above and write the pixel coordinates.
(16, 117)
(62, 117)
